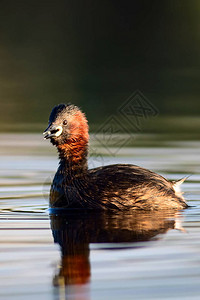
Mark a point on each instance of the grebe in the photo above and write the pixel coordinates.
(119, 186)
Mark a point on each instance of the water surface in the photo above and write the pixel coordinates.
(81, 256)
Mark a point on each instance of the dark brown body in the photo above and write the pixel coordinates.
(115, 187)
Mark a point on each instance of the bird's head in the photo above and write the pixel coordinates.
(67, 125)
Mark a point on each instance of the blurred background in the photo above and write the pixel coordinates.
(95, 54)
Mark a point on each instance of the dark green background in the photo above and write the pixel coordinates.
(95, 54)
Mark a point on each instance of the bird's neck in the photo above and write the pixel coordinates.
(74, 157)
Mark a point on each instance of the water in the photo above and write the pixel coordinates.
(81, 256)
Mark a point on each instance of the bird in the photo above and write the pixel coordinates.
(110, 187)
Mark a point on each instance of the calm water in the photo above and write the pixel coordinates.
(81, 256)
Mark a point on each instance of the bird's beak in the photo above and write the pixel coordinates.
(52, 131)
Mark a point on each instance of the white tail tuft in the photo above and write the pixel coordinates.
(176, 186)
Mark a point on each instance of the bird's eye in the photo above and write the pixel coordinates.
(65, 122)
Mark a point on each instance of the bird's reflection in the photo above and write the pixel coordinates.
(75, 231)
